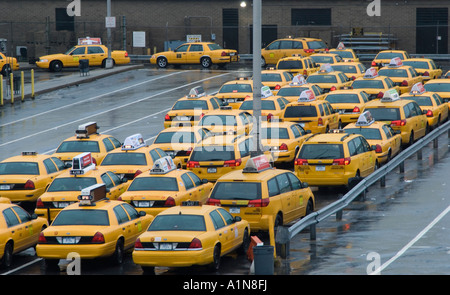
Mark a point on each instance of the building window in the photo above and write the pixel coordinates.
(311, 17)
(64, 22)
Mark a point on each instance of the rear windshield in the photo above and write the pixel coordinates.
(374, 84)
(321, 151)
(231, 88)
(175, 137)
(289, 64)
(190, 105)
(274, 133)
(345, 69)
(81, 217)
(300, 111)
(213, 153)
(214, 46)
(224, 190)
(24, 168)
(368, 133)
(316, 45)
(421, 100)
(271, 78)
(322, 59)
(384, 114)
(265, 105)
(154, 184)
(291, 91)
(218, 120)
(124, 159)
(79, 146)
(393, 73)
(71, 184)
(321, 79)
(389, 55)
(417, 64)
(437, 87)
(178, 222)
(343, 54)
(342, 98)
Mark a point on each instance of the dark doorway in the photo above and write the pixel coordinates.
(269, 33)
(432, 30)
(230, 22)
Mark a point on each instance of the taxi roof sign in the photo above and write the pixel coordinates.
(133, 142)
(257, 164)
(29, 153)
(266, 92)
(396, 62)
(163, 165)
(417, 89)
(82, 163)
(84, 130)
(326, 68)
(371, 73)
(365, 119)
(298, 80)
(340, 46)
(306, 96)
(91, 194)
(197, 92)
(390, 95)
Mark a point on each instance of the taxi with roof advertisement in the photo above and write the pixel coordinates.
(284, 47)
(165, 186)
(403, 115)
(272, 106)
(8, 64)
(403, 76)
(347, 54)
(178, 142)
(312, 114)
(133, 158)
(284, 139)
(227, 120)
(430, 102)
(426, 67)
(65, 188)
(380, 135)
(292, 91)
(335, 159)
(328, 79)
(191, 234)
(93, 227)
(326, 58)
(218, 155)
(349, 103)
(262, 195)
(375, 85)
(383, 58)
(26, 177)
(236, 91)
(87, 140)
(188, 110)
(441, 87)
(298, 64)
(352, 70)
(196, 53)
(275, 79)
(18, 231)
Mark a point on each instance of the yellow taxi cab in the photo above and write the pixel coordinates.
(8, 64)
(275, 79)
(430, 102)
(87, 140)
(401, 114)
(188, 110)
(441, 87)
(196, 53)
(96, 54)
(447, 75)
(93, 227)
(259, 193)
(349, 103)
(272, 106)
(191, 234)
(165, 186)
(18, 231)
(375, 85)
(235, 92)
(227, 121)
(383, 58)
(178, 142)
(133, 158)
(426, 67)
(352, 70)
(403, 76)
(326, 58)
(328, 79)
(312, 114)
(284, 139)
(380, 135)
(335, 159)
(218, 155)
(65, 188)
(288, 46)
(26, 177)
(347, 54)
(298, 64)
(292, 91)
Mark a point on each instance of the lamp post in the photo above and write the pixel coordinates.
(110, 23)
(257, 77)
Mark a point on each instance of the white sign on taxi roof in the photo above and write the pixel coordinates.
(340, 46)
(371, 73)
(365, 119)
(298, 80)
(390, 95)
(306, 95)
(326, 68)
(266, 92)
(417, 89)
(396, 62)
(257, 164)
(163, 165)
(133, 142)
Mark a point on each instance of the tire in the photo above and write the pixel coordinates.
(215, 265)
(206, 62)
(162, 62)
(7, 255)
(117, 257)
(245, 243)
(309, 207)
(411, 139)
(56, 66)
(6, 70)
(148, 270)
(263, 62)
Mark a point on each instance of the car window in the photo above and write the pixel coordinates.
(227, 216)
(107, 180)
(23, 215)
(78, 146)
(196, 47)
(81, 217)
(59, 164)
(243, 149)
(295, 131)
(178, 222)
(155, 156)
(297, 45)
(283, 183)
(131, 211)
(115, 178)
(154, 184)
(71, 184)
(95, 50)
(272, 187)
(295, 182)
(188, 184)
(182, 48)
(216, 219)
(78, 51)
(214, 103)
(108, 144)
(195, 178)
(121, 215)
(10, 218)
(50, 166)
(275, 45)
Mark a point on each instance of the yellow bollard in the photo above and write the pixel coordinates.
(11, 80)
(22, 86)
(32, 83)
(1, 90)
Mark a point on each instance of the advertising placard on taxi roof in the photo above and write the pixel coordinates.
(417, 88)
(163, 165)
(197, 92)
(266, 92)
(133, 142)
(298, 80)
(82, 163)
(257, 164)
(84, 130)
(365, 119)
(326, 68)
(395, 62)
(92, 194)
(371, 73)
(390, 95)
(306, 95)
(340, 46)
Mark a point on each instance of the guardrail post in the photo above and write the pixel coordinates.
(402, 167)
(282, 241)
(312, 232)
(383, 181)
(435, 143)
(419, 155)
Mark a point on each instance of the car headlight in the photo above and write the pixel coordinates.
(43, 60)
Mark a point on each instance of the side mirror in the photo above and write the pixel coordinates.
(68, 165)
(204, 180)
(373, 147)
(142, 213)
(305, 185)
(34, 216)
(237, 219)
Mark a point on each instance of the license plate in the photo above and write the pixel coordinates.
(183, 118)
(235, 210)
(63, 204)
(4, 186)
(234, 58)
(211, 170)
(145, 203)
(68, 240)
(320, 168)
(165, 246)
(231, 100)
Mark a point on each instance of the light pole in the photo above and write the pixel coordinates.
(257, 77)
(109, 25)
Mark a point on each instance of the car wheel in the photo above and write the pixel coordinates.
(6, 70)
(411, 138)
(206, 62)
(56, 66)
(216, 258)
(245, 243)
(8, 255)
(117, 257)
(263, 62)
(309, 207)
(162, 62)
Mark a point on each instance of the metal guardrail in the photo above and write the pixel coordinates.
(285, 234)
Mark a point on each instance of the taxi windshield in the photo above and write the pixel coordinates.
(274, 133)
(212, 153)
(190, 105)
(345, 69)
(374, 84)
(289, 64)
(389, 55)
(218, 120)
(185, 222)
(320, 78)
(385, 114)
(300, 111)
(342, 98)
(322, 59)
(271, 78)
(265, 105)
(437, 87)
(82, 217)
(224, 190)
(124, 158)
(175, 137)
(291, 91)
(393, 73)
(343, 53)
(78, 146)
(154, 184)
(66, 184)
(368, 133)
(69, 51)
(421, 100)
(235, 88)
(321, 151)
(417, 64)
(23, 168)
(316, 45)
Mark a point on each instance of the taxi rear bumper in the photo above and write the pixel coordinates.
(88, 251)
(172, 258)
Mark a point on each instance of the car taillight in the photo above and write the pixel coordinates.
(305, 73)
(137, 173)
(404, 83)
(232, 163)
(138, 244)
(269, 117)
(353, 78)
(126, 54)
(277, 87)
(398, 123)
(248, 96)
(374, 64)
(189, 151)
(283, 147)
(356, 110)
(309, 50)
(426, 74)
(378, 148)
(192, 164)
(42, 239)
(224, 53)
(39, 203)
(380, 94)
(202, 115)
(259, 203)
(167, 117)
(98, 238)
(170, 202)
(320, 122)
(333, 88)
(213, 202)
(195, 244)
(300, 162)
(429, 113)
(29, 185)
(342, 161)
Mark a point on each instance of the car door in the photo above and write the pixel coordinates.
(113, 184)
(73, 59)
(272, 52)
(180, 54)
(224, 233)
(287, 196)
(137, 227)
(16, 229)
(202, 189)
(192, 193)
(125, 225)
(299, 196)
(194, 53)
(235, 235)
(31, 228)
(96, 55)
